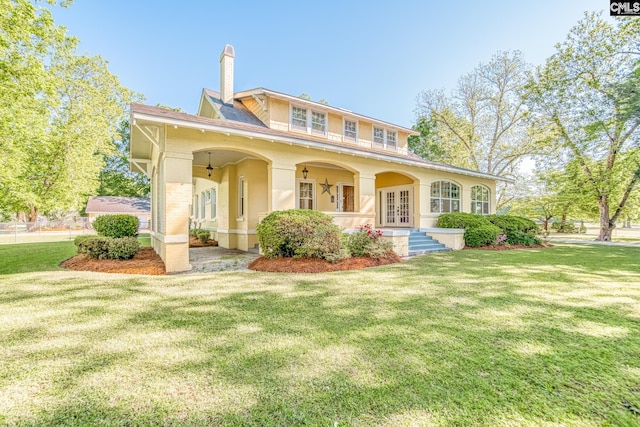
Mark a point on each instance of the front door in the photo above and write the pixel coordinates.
(395, 204)
(345, 197)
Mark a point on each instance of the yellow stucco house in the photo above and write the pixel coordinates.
(248, 153)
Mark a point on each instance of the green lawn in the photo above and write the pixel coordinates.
(535, 337)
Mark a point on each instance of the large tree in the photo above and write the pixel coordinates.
(481, 125)
(58, 113)
(587, 93)
(116, 179)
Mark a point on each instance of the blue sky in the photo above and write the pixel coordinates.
(371, 57)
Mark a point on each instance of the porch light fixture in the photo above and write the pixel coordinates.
(209, 168)
(305, 172)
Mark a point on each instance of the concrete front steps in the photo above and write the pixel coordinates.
(420, 243)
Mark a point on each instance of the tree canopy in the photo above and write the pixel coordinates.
(58, 113)
(482, 125)
(587, 94)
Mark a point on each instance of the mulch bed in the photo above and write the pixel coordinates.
(314, 265)
(194, 242)
(509, 247)
(146, 261)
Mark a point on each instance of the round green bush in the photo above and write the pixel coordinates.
(82, 238)
(122, 248)
(483, 235)
(203, 235)
(116, 226)
(96, 247)
(299, 233)
(461, 220)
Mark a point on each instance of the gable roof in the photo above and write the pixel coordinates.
(116, 204)
(318, 106)
(162, 115)
(236, 112)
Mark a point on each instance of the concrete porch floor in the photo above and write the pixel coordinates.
(214, 258)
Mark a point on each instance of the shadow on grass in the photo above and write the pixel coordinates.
(458, 338)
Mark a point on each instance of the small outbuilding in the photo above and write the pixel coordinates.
(115, 205)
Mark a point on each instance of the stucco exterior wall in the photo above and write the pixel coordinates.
(270, 184)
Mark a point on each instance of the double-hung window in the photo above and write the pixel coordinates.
(318, 123)
(445, 197)
(378, 137)
(383, 138)
(309, 121)
(350, 131)
(306, 194)
(241, 198)
(479, 200)
(299, 118)
(214, 203)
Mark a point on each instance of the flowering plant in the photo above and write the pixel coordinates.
(374, 234)
(502, 238)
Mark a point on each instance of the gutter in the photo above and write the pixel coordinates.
(312, 144)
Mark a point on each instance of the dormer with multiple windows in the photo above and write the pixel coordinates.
(308, 119)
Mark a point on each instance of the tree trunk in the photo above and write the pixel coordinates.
(546, 224)
(606, 226)
(32, 215)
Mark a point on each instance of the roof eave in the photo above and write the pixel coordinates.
(341, 111)
(308, 144)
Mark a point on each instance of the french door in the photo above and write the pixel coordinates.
(395, 206)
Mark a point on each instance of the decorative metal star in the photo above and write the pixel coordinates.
(326, 187)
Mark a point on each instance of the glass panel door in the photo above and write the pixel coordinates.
(396, 206)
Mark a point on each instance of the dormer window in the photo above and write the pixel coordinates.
(299, 118)
(318, 122)
(308, 121)
(384, 138)
(350, 131)
(392, 140)
(378, 137)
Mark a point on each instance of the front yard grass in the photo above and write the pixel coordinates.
(526, 337)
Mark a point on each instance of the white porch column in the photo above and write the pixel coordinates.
(281, 186)
(367, 191)
(176, 201)
(424, 207)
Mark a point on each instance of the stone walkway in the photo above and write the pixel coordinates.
(213, 258)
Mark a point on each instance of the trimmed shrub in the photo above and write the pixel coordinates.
(299, 233)
(483, 235)
(526, 239)
(116, 226)
(95, 247)
(203, 235)
(460, 220)
(122, 248)
(519, 230)
(82, 238)
(366, 242)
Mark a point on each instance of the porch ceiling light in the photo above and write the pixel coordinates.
(209, 168)
(305, 172)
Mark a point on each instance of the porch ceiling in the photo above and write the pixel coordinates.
(219, 158)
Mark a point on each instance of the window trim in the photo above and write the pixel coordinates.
(344, 136)
(440, 198)
(214, 203)
(385, 138)
(475, 201)
(203, 205)
(196, 204)
(313, 192)
(242, 203)
(309, 120)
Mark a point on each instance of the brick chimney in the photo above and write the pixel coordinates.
(226, 74)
